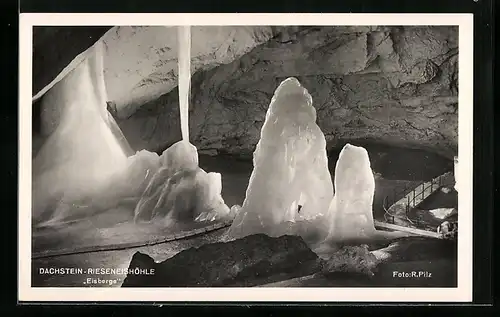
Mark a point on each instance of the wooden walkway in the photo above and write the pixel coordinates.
(397, 213)
(424, 190)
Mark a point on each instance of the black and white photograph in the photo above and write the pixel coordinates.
(248, 155)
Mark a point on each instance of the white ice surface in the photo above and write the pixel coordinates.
(180, 190)
(290, 167)
(351, 210)
(83, 150)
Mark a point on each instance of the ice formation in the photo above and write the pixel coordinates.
(351, 210)
(179, 156)
(133, 179)
(86, 165)
(290, 181)
(184, 42)
(83, 149)
(180, 190)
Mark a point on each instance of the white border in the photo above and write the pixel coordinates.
(463, 293)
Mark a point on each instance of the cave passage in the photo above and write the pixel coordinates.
(86, 166)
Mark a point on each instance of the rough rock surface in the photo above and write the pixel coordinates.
(351, 259)
(141, 62)
(394, 84)
(252, 260)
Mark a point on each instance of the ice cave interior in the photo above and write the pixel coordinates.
(93, 183)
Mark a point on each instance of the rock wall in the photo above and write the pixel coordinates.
(396, 85)
(141, 61)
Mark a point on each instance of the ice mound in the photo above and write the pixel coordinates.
(179, 156)
(180, 190)
(84, 148)
(351, 210)
(133, 179)
(290, 181)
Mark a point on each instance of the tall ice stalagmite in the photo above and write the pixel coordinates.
(83, 149)
(351, 210)
(290, 181)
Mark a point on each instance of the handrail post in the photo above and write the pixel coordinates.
(413, 197)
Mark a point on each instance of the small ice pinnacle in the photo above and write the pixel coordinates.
(351, 210)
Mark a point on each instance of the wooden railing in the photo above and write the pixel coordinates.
(389, 200)
(413, 197)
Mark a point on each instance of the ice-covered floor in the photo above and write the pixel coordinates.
(390, 164)
(109, 259)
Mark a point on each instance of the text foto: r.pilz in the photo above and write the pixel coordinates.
(412, 274)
